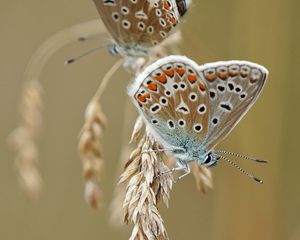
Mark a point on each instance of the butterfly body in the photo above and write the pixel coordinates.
(138, 25)
(185, 147)
(189, 108)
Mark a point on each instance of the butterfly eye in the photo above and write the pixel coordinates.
(208, 159)
(134, 1)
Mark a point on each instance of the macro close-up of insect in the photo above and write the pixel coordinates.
(150, 120)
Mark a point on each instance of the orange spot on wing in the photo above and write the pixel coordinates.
(180, 71)
(161, 79)
(169, 73)
(211, 77)
(232, 73)
(167, 5)
(152, 86)
(192, 78)
(143, 98)
(223, 75)
(202, 86)
(172, 20)
(244, 74)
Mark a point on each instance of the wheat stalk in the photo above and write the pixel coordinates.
(145, 189)
(23, 139)
(90, 143)
(203, 177)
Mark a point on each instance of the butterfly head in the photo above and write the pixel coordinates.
(128, 50)
(113, 49)
(211, 160)
(192, 152)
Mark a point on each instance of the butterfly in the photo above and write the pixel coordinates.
(138, 25)
(189, 109)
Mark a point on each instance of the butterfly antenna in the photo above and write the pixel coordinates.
(238, 155)
(83, 38)
(74, 59)
(241, 169)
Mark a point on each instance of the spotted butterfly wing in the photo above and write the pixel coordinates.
(137, 25)
(173, 98)
(233, 88)
(190, 106)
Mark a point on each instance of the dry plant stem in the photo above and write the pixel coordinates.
(23, 138)
(90, 143)
(203, 177)
(116, 209)
(106, 79)
(90, 151)
(145, 190)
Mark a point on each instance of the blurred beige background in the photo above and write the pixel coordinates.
(266, 32)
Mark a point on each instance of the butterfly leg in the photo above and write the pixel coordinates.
(171, 170)
(185, 166)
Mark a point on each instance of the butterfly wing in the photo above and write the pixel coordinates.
(110, 15)
(138, 22)
(173, 99)
(233, 88)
